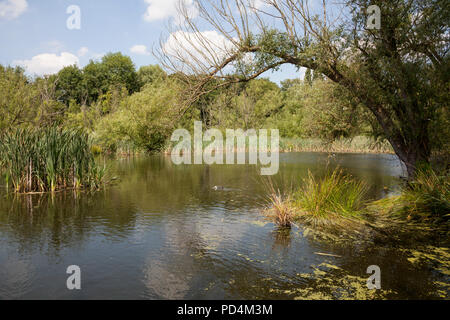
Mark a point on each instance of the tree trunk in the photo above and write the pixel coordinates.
(414, 153)
(416, 160)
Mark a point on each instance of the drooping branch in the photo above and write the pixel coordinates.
(226, 42)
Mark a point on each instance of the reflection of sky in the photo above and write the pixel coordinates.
(16, 277)
(202, 253)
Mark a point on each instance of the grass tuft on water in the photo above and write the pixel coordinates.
(49, 160)
(335, 195)
(335, 199)
(280, 209)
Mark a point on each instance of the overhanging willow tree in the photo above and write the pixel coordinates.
(399, 72)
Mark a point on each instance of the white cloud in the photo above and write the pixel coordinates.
(82, 51)
(164, 9)
(47, 63)
(258, 4)
(11, 9)
(191, 45)
(139, 49)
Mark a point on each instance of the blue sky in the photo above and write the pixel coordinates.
(34, 33)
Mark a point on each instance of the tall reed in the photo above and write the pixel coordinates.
(48, 160)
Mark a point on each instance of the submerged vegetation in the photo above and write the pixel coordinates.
(49, 160)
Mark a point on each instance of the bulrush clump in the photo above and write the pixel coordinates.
(48, 160)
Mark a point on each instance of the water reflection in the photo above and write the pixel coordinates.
(163, 232)
(16, 277)
(282, 238)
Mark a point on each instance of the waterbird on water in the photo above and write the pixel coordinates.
(218, 188)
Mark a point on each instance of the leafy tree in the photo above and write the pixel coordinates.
(96, 80)
(259, 100)
(49, 109)
(308, 77)
(120, 70)
(398, 72)
(70, 85)
(17, 98)
(150, 74)
(146, 119)
(328, 113)
(113, 71)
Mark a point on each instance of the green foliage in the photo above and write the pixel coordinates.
(49, 159)
(120, 70)
(24, 102)
(150, 74)
(49, 109)
(246, 106)
(95, 78)
(146, 119)
(70, 85)
(322, 110)
(113, 71)
(125, 110)
(17, 96)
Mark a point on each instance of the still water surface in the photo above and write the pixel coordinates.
(162, 232)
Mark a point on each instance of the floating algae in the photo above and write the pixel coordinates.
(437, 259)
(439, 255)
(330, 282)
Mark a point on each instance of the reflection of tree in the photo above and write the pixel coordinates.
(159, 186)
(282, 238)
(201, 230)
(64, 219)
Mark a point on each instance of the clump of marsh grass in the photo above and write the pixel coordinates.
(280, 209)
(336, 199)
(337, 195)
(420, 213)
(49, 160)
(426, 199)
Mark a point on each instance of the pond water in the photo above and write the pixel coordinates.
(163, 232)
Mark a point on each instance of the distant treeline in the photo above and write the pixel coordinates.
(129, 110)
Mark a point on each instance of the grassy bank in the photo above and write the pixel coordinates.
(48, 160)
(425, 200)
